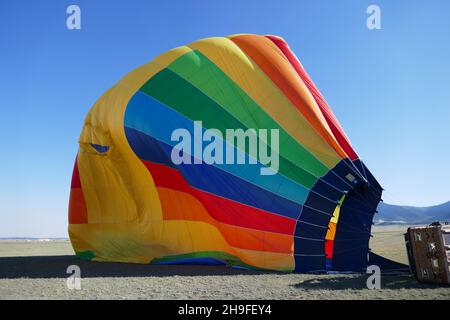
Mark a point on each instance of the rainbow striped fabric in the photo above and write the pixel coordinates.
(130, 202)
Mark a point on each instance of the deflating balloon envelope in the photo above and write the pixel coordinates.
(221, 152)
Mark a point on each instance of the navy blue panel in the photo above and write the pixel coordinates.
(310, 231)
(350, 248)
(309, 263)
(350, 234)
(354, 259)
(320, 203)
(321, 187)
(351, 244)
(361, 219)
(201, 175)
(318, 210)
(371, 179)
(314, 217)
(359, 166)
(363, 200)
(307, 247)
(353, 221)
(336, 177)
(387, 265)
(340, 177)
(352, 168)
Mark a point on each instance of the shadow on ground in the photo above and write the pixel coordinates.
(358, 282)
(47, 267)
(56, 266)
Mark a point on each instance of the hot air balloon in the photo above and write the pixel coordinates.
(140, 193)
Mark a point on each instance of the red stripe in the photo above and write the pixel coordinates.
(77, 203)
(77, 207)
(333, 123)
(223, 210)
(76, 183)
(329, 249)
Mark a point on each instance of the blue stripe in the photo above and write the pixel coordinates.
(211, 179)
(155, 119)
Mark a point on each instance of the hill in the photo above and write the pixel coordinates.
(394, 214)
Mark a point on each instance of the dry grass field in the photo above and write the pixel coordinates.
(37, 270)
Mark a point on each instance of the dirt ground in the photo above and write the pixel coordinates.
(37, 270)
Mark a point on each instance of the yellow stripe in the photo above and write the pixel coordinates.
(240, 68)
(118, 242)
(267, 260)
(331, 233)
(119, 191)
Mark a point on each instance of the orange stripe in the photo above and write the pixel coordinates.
(273, 62)
(77, 207)
(177, 205)
(331, 233)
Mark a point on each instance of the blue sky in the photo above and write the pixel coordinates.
(389, 88)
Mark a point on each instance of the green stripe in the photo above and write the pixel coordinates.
(86, 255)
(181, 96)
(212, 81)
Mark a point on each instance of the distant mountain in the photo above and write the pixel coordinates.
(393, 214)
